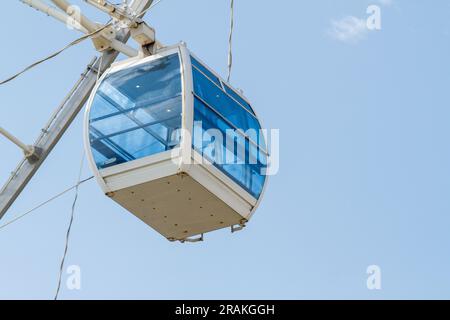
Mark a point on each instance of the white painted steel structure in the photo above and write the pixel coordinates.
(63, 116)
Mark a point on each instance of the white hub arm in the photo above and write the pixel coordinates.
(103, 41)
(55, 13)
(85, 22)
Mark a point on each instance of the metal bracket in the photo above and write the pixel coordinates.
(106, 40)
(238, 227)
(102, 41)
(143, 34)
(122, 17)
(193, 240)
(33, 154)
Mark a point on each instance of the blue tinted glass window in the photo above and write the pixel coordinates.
(205, 70)
(238, 98)
(227, 133)
(228, 150)
(136, 112)
(239, 117)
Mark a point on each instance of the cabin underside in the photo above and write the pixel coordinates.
(178, 207)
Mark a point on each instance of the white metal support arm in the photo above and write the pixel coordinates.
(62, 119)
(29, 151)
(102, 42)
(108, 8)
(85, 22)
(55, 13)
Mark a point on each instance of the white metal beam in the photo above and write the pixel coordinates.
(55, 13)
(27, 150)
(85, 22)
(105, 38)
(61, 120)
(108, 8)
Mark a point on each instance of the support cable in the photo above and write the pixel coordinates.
(230, 43)
(59, 195)
(73, 43)
(53, 55)
(69, 227)
(154, 4)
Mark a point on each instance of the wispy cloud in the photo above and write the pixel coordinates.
(349, 29)
(352, 29)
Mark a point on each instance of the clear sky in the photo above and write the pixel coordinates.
(365, 159)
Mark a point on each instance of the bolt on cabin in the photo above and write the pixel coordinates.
(175, 145)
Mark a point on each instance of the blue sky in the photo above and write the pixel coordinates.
(365, 165)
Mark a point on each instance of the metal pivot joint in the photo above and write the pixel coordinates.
(123, 17)
(32, 154)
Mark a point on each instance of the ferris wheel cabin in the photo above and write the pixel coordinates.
(175, 145)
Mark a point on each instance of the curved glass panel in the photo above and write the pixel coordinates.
(238, 116)
(136, 112)
(228, 134)
(205, 71)
(238, 98)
